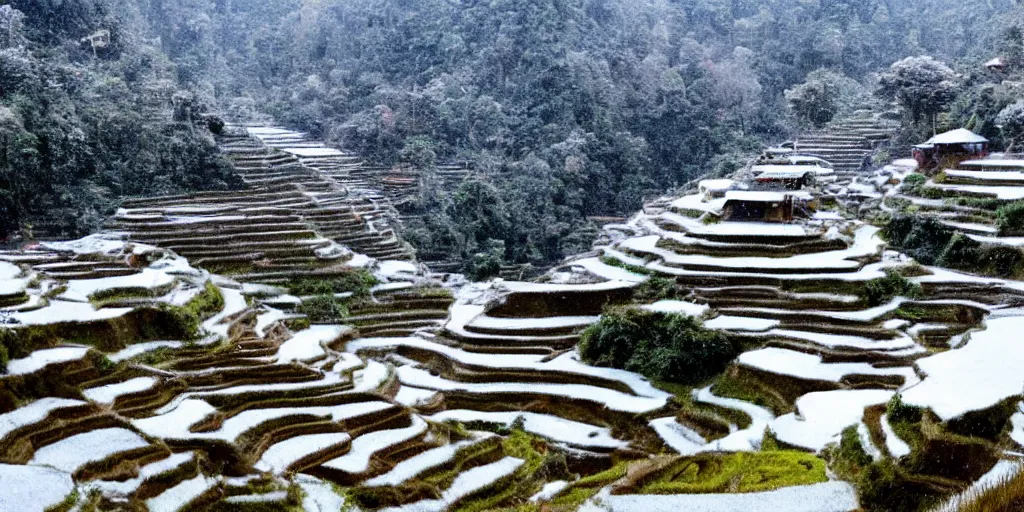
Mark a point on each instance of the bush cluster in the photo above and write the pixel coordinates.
(1010, 219)
(666, 347)
(882, 290)
(324, 308)
(358, 282)
(931, 242)
(913, 184)
(6, 337)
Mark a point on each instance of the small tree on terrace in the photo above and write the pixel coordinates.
(823, 95)
(813, 101)
(923, 86)
(1011, 124)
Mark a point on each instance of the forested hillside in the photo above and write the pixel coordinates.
(568, 108)
(86, 118)
(571, 108)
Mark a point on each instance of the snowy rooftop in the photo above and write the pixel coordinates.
(717, 185)
(959, 136)
(794, 172)
(764, 197)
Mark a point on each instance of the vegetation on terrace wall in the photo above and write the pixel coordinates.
(882, 290)
(666, 347)
(356, 282)
(736, 473)
(1006, 495)
(931, 242)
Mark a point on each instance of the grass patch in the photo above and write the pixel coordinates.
(987, 423)
(1005, 496)
(161, 322)
(585, 488)
(297, 324)
(64, 506)
(208, 303)
(657, 288)
(738, 386)
(7, 337)
(1010, 219)
(541, 465)
(636, 269)
(883, 487)
(884, 289)
(736, 473)
(981, 203)
(114, 295)
(711, 421)
(932, 243)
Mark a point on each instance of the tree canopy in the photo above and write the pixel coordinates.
(569, 108)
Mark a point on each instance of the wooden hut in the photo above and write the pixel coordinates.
(764, 206)
(947, 150)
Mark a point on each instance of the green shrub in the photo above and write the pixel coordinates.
(962, 251)
(657, 288)
(922, 238)
(912, 184)
(666, 347)
(1010, 219)
(324, 308)
(770, 442)
(987, 423)
(883, 488)
(882, 290)
(848, 459)
(899, 412)
(1001, 260)
(357, 282)
(7, 337)
(485, 265)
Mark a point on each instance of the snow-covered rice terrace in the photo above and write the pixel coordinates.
(457, 396)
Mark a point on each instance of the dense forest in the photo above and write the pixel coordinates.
(76, 78)
(567, 108)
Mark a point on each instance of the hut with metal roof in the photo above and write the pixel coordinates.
(947, 150)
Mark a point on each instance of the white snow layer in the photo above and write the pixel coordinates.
(823, 497)
(109, 393)
(976, 376)
(32, 488)
(73, 452)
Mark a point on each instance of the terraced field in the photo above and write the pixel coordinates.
(848, 143)
(966, 199)
(252, 351)
(294, 218)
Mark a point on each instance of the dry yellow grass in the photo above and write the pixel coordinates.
(1006, 495)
